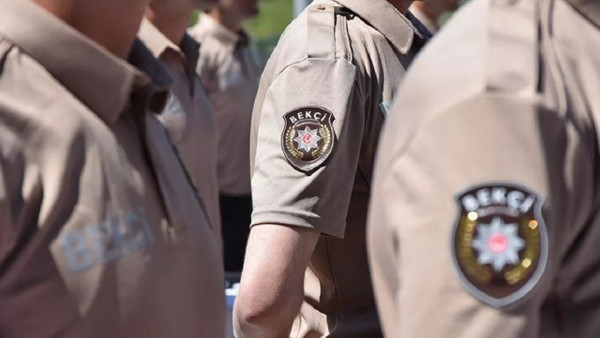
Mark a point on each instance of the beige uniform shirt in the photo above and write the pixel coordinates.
(484, 218)
(321, 104)
(229, 73)
(100, 232)
(188, 115)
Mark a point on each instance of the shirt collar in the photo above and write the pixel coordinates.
(188, 49)
(220, 32)
(155, 40)
(102, 81)
(588, 8)
(386, 19)
(191, 50)
(155, 92)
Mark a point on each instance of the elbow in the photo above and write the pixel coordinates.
(253, 314)
(262, 316)
(249, 316)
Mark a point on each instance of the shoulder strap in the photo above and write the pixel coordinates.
(513, 51)
(321, 31)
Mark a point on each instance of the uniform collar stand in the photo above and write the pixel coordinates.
(155, 40)
(384, 17)
(157, 79)
(188, 50)
(99, 79)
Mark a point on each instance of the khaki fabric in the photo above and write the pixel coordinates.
(351, 69)
(188, 115)
(100, 232)
(525, 113)
(230, 75)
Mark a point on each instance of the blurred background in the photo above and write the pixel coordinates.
(265, 30)
(275, 15)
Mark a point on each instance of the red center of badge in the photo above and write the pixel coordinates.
(306, 139)
(498, 243)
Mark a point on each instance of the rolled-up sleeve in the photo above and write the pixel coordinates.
(308, 185)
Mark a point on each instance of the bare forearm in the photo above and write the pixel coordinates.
(272, 285)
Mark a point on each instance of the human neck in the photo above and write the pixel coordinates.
(112, 24)
(171, 17)
(401, 5)
(229, 21)
(430, 11)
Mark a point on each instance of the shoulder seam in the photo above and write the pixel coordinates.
(304, 60)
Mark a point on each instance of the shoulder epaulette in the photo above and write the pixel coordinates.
(517, 41)
(326, 24)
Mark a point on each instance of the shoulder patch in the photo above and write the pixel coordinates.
(500, 242)
(308, 137)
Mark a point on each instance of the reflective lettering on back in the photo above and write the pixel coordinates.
(103, 243)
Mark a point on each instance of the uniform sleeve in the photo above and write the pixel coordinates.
(307, 146)
(471, 218)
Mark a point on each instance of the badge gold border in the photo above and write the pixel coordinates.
(315, 164)
(519, 294)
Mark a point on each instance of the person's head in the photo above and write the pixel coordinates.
(440, 6)
(448, 5)
(239, 10)
(176, 7)
(401, 5)
(172, 17)
(111, 23)
(205, 5)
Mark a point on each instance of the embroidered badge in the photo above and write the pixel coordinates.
(308, 137)
(500, 242)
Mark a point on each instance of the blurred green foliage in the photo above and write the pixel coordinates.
(274, 16)
(194, 19)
